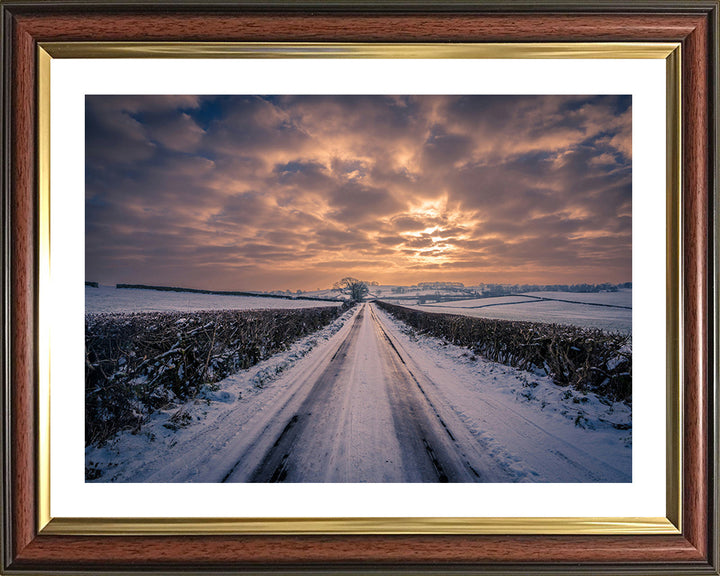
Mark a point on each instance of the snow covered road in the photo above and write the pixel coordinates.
(366, 419)
(373, 402)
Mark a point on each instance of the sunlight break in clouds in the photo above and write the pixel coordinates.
(278, 192)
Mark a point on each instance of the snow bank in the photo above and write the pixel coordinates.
(582, 358)
(542, 431)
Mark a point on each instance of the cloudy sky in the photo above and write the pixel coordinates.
(296, 192)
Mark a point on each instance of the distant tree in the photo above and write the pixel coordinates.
(356, 289)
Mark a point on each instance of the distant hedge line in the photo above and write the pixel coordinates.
(224, 292)
(137, 363)
(586, 359)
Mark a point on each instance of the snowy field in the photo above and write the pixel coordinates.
(108, 299)
(615, 315)
(328, 293)
(480, 302)
(619, 298)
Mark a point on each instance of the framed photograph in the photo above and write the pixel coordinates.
(320, 287)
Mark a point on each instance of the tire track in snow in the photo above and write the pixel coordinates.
(457, 444)
(416, 419)
(273, 466)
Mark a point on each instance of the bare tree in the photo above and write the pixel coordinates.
(356, 289)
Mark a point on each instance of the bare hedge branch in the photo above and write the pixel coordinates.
(585, 359)
(138, 363)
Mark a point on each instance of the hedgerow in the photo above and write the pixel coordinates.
(138, 363)
(585, 359)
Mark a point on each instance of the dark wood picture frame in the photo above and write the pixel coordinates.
(26, 23)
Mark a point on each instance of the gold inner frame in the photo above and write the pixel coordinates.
(671, 524)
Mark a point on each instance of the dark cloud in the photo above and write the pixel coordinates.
(443, 149)
(353, 202)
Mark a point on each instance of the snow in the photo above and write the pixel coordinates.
(608, 318)
(107, 299)
(327, 293)
(480, 302)
(528, 427)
